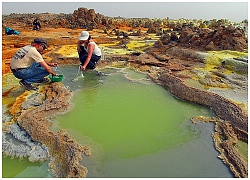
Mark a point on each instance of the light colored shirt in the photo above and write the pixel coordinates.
(96, 50)
(25, 56)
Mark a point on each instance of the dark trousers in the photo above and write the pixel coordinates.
(92, 62)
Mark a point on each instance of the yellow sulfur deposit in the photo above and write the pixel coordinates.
(68, 51)
(215, 58)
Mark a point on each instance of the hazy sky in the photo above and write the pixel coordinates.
(231, 10)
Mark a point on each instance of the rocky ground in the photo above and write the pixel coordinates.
(208, 66)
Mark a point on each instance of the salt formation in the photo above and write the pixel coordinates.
(33, 114)
(24, 147)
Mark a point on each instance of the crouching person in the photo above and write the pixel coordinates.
(28, 64)
(89, 52)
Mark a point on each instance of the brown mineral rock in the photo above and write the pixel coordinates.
(210, 46)
(229, 38)
(65, 153)
(225, 141)
(165, 39)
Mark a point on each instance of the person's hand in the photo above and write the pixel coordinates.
(83, 68)
(54, 74)
(53, 64)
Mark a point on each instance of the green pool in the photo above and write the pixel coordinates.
(135, 128)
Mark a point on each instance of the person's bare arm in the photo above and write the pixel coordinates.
(48, 68)
(90, 51)
(52, 64)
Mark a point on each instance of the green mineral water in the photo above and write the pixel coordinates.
(136, 128)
